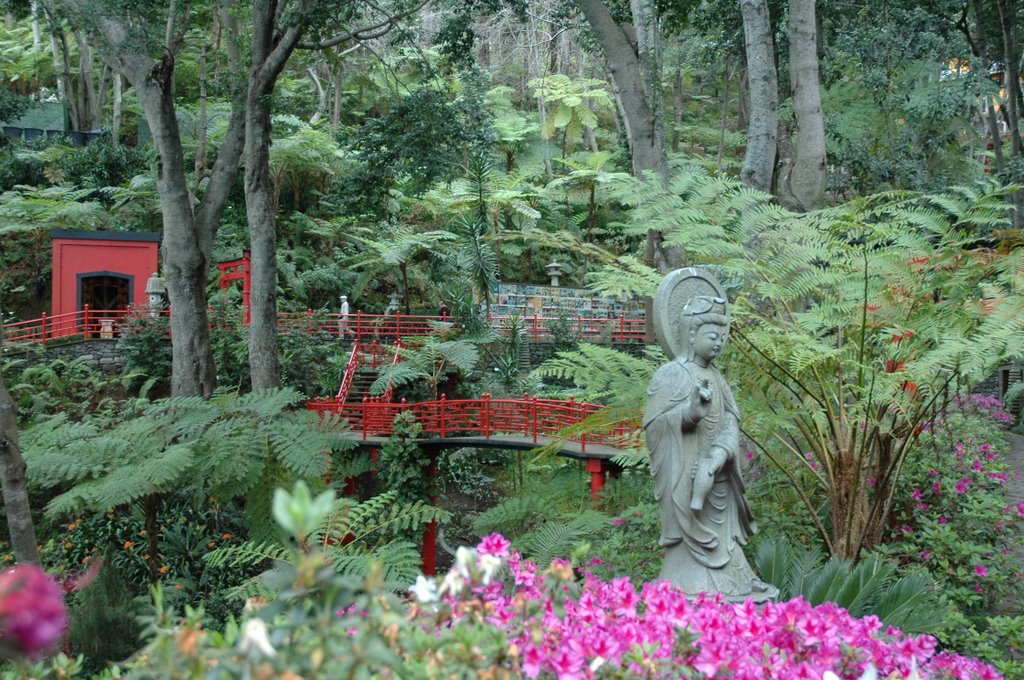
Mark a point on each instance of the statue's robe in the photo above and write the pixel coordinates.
(704, 550)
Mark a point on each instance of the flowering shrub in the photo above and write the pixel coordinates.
(495, 615)
(603, 628)
(958, 521)
(32, 613)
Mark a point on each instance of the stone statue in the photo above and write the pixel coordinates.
(692, 426)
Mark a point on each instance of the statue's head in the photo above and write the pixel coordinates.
(705, 326)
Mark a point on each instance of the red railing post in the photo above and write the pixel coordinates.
(364, 417)
(534, 419)
(622, 326)
(428, 553)
(398, 323)
(43, 330)
(309, 320)
(485, 414)
(596, 468)
(441, 417)
(359, 323)
(85, 321)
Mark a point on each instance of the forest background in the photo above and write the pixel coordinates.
(430, 150)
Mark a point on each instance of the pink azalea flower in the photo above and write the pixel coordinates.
(32, 612)
(961, 486)
(980, 570)
(494, 544)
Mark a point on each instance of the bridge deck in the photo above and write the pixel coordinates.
(569, 449)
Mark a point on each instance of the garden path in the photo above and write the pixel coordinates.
(1016, 493)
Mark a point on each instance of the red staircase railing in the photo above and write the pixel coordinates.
(360, 357)
(531, 417)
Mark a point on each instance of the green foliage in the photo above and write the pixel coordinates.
(189, 528)
(231, 446)
(61, 386)
(538, 529)
(402, 467)
(419, 141)
(357, 538)
(959, 519)
(435, 360)
(602, 374)
(573, 105)
(146, 347)
(872, 586)
(103, 622)
(848, 324)
(630, 545)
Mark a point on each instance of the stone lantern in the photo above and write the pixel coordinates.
(554, 271)
(393, 304)
(156, 293)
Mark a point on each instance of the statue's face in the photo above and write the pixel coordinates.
(709, 341)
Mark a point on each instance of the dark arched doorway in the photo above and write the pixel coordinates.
(104, 291)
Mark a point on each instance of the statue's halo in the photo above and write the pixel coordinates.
(675, 290)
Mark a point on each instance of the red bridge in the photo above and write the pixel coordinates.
(519, 423)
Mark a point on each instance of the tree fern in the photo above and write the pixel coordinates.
(601, 373)
(512, 516)
(230, 446)
(558, 538)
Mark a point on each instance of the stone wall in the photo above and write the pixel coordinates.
(101, 355)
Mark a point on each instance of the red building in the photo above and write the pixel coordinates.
(105, 270)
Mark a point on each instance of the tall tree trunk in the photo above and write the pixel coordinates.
(204, 122)
(759, 161)
(185, 260)
(1008, 21)
(12, 476)
(677, 108)
(272, 45)
(982, 53)
(187, 232)
(726, 79)
(62, 65)
(806, 190)
(118, 109)
(88, 102)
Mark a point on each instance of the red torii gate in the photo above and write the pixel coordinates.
(238, 269)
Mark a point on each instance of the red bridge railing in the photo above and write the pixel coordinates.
(358, 326)
(530, 417)
(87, 323)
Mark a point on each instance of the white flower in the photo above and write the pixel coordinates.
(254, 636)
(597, 663)
(453, 583)
(870, 673)
(465, 559)
(489, 565)
(425, 589)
